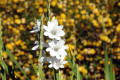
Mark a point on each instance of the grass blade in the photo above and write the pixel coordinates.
(34, 68)
(111, 68)
(69, 61)
(78, 73)
(106, 65)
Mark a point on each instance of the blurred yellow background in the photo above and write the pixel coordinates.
(83, 22)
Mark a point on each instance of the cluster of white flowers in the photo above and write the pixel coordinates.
(56, 46)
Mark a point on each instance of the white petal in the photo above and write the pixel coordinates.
(50, 25)
(38, 23)
(35, 27)
(35, 47)
(60, 27)
(61, 66)
(33, 31)
(53, 53)
(44, 44)
(51, 36)
(56, 37)
(55, 21)
(48, 49)
(51, 44)
(50, 66)
(60, 43)
(57, 56)
(60, 33)
(64, 62)
(46, 33)
(65, 47)
(56, 67)
(45, 27)
(62, 57)
(37, 42)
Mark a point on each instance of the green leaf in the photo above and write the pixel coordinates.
(112, 74)
(78, 73)
(106, 65)
(5, 67)
(69, 60)
(111, 68)
(34, 68)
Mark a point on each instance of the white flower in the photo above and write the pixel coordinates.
(37, 28)
(37, 45)
(57, 48)
(55, 63)
(44, 58)
(53, 31)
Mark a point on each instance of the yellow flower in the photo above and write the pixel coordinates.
(60, 6)
(10, 63)
(119, 4)
(15, 1)
(17, 21)
(45, 9)
(4, 54)
(53, 3)
(40, 10)
(92, 51)
(60, 21)
(105, 38)
(83, 12)
(83, 16)
(77, 2)
(23, 20)
(118, 28)
(20, 10)
(81, 68)
(30, 56)
(77, 15)
(63, 16)
(118, 57)
(9, 46)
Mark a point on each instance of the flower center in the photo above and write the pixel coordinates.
(56, 49)
(53, 32)
(57, 63)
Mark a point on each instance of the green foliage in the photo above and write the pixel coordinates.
(109, 73)
(2, 63)
(75, 71)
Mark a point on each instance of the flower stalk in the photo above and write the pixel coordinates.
(48, 8)
(40, 52)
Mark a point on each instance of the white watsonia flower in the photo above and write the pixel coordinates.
(57, 48)
(44, 58)
(37, 28)
(37, 45)
(53, 31)
(55, 63)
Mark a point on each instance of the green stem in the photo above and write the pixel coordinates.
(40, 73)
(48, 9)
(56, 74)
